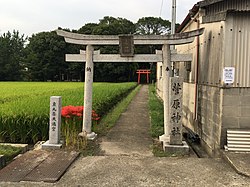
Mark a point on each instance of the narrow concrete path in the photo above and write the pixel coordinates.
(130, 135)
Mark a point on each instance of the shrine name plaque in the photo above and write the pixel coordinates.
(126, 44)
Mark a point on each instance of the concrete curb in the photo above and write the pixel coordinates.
(239, 168)
(2, 161)
(24, 148)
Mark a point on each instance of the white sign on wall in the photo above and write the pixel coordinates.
(228, 75)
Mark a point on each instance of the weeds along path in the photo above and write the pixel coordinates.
(130, 135)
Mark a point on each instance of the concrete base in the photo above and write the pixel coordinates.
(47, 145)
(164, 138)
(90, 136)
(179, 149)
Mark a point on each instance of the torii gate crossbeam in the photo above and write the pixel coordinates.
(174, 39)
(97, 57)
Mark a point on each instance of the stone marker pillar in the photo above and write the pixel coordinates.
(176, 90)
(166, 74)
(172, 138)
(87, 113)
(54, 123)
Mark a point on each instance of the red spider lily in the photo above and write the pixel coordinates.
(95, 116)
(67, 111)
(77, 111)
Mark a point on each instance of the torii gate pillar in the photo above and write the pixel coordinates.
(87, 112)
(166, 74)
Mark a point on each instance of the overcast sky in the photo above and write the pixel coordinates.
(33, 16)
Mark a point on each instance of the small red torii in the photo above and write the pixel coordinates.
(143, 71)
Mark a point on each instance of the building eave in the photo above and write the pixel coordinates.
(190, 15)
(208, 2)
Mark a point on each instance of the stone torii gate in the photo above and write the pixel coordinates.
(126, 43)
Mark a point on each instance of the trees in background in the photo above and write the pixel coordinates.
(152, 25)
(45, 57)
(12, 56)
(42, 59)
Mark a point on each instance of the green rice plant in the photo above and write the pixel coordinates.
(23, 129)
(24, 107)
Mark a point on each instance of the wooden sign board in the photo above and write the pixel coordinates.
(126, 44)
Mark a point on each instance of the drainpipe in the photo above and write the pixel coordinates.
(197, 72)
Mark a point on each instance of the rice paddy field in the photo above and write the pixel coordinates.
(24, 106)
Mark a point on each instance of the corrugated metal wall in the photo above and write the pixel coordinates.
(239, 5)
(210, 55)
(211, 50)
(237, 48)
(223, 44)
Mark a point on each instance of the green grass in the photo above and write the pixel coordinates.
(9, 152)
(156, 113)
(24, 107)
